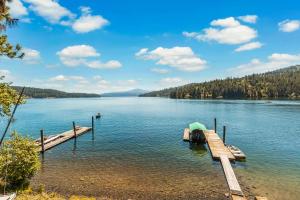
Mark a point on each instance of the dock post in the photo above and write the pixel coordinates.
(215, 125)
(224, 134)
(93, 128)
(42, 140)
(74, 129)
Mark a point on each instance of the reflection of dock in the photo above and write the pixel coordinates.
(225, 154)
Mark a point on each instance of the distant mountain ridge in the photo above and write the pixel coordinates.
(129, 93)
(32, 92)
(281, 83)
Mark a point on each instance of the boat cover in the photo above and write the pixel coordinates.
(197, 126)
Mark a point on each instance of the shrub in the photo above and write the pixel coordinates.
(19, 160)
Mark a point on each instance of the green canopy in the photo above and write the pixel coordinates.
(197, 126)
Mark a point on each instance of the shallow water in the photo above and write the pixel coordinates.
(138, 150)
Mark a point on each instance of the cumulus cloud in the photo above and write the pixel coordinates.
(225, 31)
(171, 82)
(249, 46)
(289, 25)
(32, 56)
(160, 70)
(67, 78)
(227, 22)
(53, 12)
(248, 18)
(17, 9)
(87, 22)
(50, 10)
(274, 61)
(85, 55)
(181, 58)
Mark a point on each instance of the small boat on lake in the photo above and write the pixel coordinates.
(98, 116)
(196, 132)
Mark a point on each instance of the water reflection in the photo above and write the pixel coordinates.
(198, 149)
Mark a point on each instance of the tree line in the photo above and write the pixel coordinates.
(282, 83)
(31, 92)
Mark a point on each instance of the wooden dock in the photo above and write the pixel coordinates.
(233, 184)
(219, 151)
(63, 137)
(216, 146)
(186, 134)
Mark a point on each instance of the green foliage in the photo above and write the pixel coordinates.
(49, 93)
(8, 97)
(7, 49)
(284, 83)
(19, 160)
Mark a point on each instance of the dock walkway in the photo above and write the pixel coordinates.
(63, 137)
(216, 146)
(219, 151)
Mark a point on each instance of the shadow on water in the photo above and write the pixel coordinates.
(198, 149)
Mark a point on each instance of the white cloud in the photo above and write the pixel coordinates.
(249, 46)
(88, 22)
(181, 58)
(225, 31)
(274, 61)
(160, 70)
(67, 78)
(171, 82)
(97, 78)
(141, 52)
(289, 25)
(4, 72)
(32, 56)
(248, 18)
(227, 22)
(17, 9)
(74, 83)
(112, 64)
(59, 78)
(7, 75)
(51, 10)
(86, 55)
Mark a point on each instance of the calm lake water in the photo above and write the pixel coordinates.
(138, 150)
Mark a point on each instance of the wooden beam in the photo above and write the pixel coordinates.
(186, 134)
(232, 182)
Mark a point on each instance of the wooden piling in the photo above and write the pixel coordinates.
(74, 129)
(93, 128)
(215, 124)
(42, 141)
(224, 134)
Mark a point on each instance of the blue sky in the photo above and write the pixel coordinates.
(100, 45)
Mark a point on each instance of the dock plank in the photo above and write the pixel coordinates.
(261, 198)
(231, 179)
(216, 146)
(65, 136)
(237, 197)
(186, 134)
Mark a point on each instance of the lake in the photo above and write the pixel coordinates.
(138, 150)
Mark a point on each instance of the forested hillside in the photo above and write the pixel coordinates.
(283, 83)
(49, 93)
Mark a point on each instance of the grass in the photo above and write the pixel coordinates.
(41, 195)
